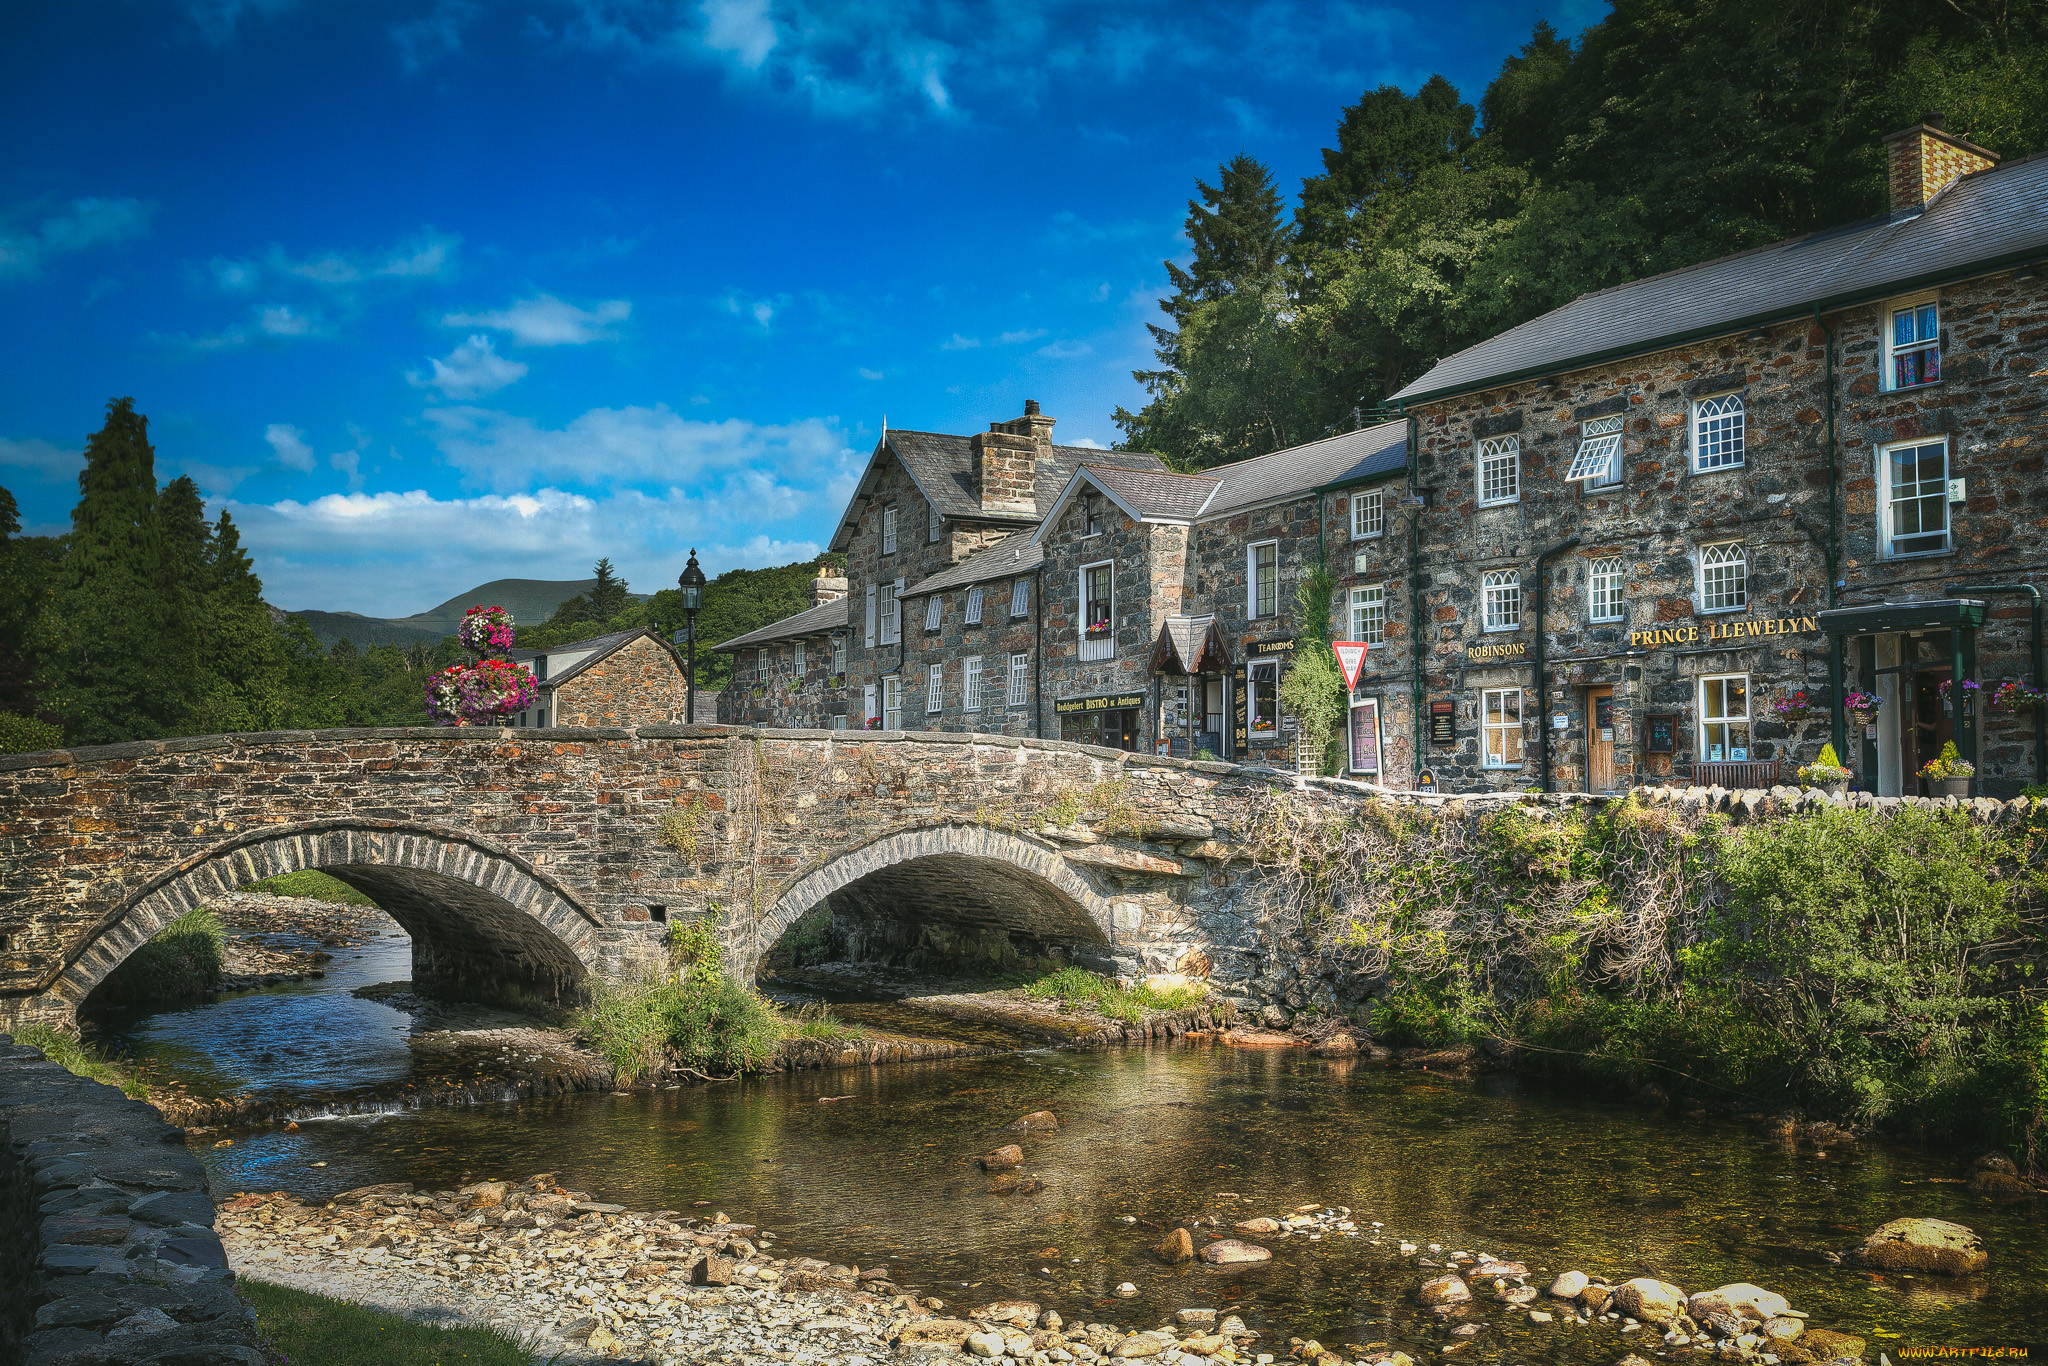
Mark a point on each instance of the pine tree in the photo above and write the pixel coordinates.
(183, 656)
(608, 596)
(245, 650)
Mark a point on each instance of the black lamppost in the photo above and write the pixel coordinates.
(690, 583)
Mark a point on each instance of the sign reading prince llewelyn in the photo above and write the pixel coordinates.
(1723, 630)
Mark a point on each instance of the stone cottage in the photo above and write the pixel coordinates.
(627, 678)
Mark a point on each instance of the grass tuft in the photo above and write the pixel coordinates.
(311, 882)
(182, 962)
(79, 1058)
(303, 1327)
(1079, 989)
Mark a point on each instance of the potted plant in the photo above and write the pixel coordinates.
(2015, 697)
(1862, 707)
(1793, 708)
(1949, 774)
(1969, 692)
(1826, 773)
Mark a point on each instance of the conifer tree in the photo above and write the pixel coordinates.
(608, 596)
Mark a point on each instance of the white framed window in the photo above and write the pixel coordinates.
(1091, 508)
(1020, 677)
(869, 638)
(1500, 725)
(870, 711)
(839, 654)
(796, 658)
(934, 690)
(1020, 597)
(932, 609)
(1369, 614)
(1098, 610)
(1604, 590)
(1724, 577)
(936, 525)
(835, 723)
(1724, 719)
(1718, 435)
(1262, 578)
(889, 530)
(1598, 460)
(970, 683)
(1368, 515)
(1500, 470)
(892, 703)
(1912, 347)
(973, 617)
(1912, 491)
(1500, 593)
(892, 612)
(1262, 696)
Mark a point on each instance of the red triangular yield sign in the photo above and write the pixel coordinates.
(1350, 658)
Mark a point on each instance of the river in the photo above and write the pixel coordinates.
(1538, 1173)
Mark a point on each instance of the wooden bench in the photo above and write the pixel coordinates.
(1755, 773)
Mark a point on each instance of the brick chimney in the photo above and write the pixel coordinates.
(827, 587)
(1923, 159)
(1006, 460)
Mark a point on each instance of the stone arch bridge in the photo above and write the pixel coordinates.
(539, 858)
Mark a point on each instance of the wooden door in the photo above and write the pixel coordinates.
(1932, 726)
(1599, 739)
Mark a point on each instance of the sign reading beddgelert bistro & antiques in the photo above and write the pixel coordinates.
(1081, 706)
(1723, 630)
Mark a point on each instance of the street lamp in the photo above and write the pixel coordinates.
(690, 584)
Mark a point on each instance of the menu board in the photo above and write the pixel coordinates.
(1365, 735)
(1443, 717)
(1660, 731)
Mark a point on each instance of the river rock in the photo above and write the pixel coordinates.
(1632, 1360)
(1596, 1298)
(1486, 1269)
(1038, 1121)
(1649, 1299)
(365, 1192)
(1514, 1294)
(1195, 1318)
(1569, 1285)
(1178, 1247)
(1741, 1300)
(1014, 1183)
(1336, 1046)
(986, 1344)
(1259, 1225)
(1933, 1245)
(1782, 1329)
(2000, 1186)
(1830, 1346)
(1997, 1162)
(1003, 1158)
(1125, 1290)
(1138, 1345)
(1015, 1313)
(946, 1332)
(486, 1194)
(1231, 1252)
(1444, 1290)
(712, 1270)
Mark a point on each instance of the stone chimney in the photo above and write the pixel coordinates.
(827, 587)
(1006, 460)
(1923, 159)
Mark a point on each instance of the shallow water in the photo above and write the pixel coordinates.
(1541, 1175)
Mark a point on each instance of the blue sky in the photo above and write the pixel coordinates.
(430, 292)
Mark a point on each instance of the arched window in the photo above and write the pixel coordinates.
(1717, 433)
(1501, 591)
(1604, 590)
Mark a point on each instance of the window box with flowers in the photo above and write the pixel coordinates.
(1948, 775)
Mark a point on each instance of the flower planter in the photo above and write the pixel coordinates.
(1950, 787)
(1834, 789)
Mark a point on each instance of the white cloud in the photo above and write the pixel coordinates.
(216, 480)
(960, 343)
(762, 311)
(426, 254)
(1101, 294)
(282, 320)
(866, 373)
(545, 320)
(268, 322)
(1064, 350)
(740, 29)
(390, 554)
(1021, 335)
(80, 226)
(472, 369)
(44, 459)
(289, 444)
(1087, 443)
(433, 35)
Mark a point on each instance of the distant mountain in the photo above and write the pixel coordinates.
(530, 601)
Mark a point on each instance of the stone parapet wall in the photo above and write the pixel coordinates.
(107, 1245)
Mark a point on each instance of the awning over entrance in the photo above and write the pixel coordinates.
(1190, 645)
(1884, 618)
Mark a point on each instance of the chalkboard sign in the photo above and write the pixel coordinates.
(1442, 718)
(1659, 732)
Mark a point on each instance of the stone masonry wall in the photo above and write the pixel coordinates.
(993, 639)
(1222, 585)
(639, 684)
(1134, 551)
(107, 1246)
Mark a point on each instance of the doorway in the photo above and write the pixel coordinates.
(1933, 725)
(1600, 739)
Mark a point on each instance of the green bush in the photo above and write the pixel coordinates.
(690, 1013)
(181, 963)
(26, 735)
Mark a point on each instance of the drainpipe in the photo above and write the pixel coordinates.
(1038, 654)
(1837, 723)
(2040, 713)
(1542, 677)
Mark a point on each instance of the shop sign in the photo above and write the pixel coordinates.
(1266, 649)
(1723, 630)
(1443, 718)
(1116, 701)
(1497, 652)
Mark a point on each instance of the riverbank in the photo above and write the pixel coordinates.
(592, 1281)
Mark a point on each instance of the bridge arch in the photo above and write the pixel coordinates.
(480, 917)
(966, 876)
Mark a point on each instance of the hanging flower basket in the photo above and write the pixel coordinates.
(485, 630)
(479, 694)
(2015, 697)
(1862, 707)
(1969, 692)
(1793, 707)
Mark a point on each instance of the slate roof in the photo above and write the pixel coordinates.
(942, 465)
(600, 648)
(1154, 493)
(1298, 470)
(1006, 559)
(821, 620)
(1188, 645)
(1984, 221)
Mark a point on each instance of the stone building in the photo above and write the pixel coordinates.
(1652, 518)
(627, 678)
(792, 673)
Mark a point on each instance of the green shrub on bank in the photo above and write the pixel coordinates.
(304, 1327)
(692, 1013)
(181, 963)
(1079, 989)
(311, 882)
(79, 1058)
(26, 735)
(1883, 967)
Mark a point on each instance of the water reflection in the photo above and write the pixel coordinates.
(1152, 1135)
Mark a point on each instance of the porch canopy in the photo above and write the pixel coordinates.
(1884, 618)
